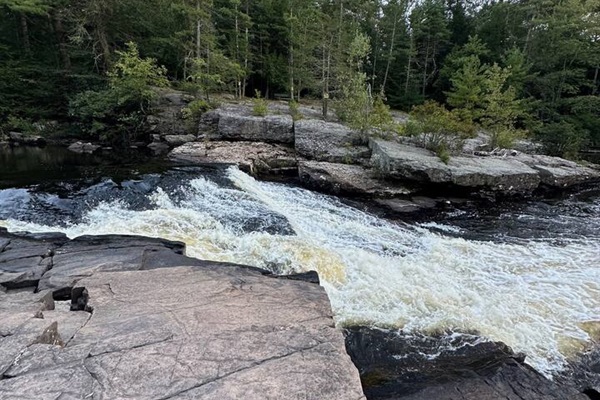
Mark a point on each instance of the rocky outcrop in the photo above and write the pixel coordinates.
(402, 162)
(141, 326)
(237, 123)
(166, 118)
(346, 179)
(256, 158)
(557, 172)
(455, 367)
(84, 148)
(331, 142)
(18, 138)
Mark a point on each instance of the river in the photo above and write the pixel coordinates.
(526, 274)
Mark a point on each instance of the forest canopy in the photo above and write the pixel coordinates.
(516, 65)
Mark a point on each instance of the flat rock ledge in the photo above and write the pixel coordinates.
(520, 174)
(257, 158)
(150, 323)
(348, 179)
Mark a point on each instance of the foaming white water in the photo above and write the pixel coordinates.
(534, 296)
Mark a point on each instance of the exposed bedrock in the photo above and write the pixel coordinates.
(131, 317)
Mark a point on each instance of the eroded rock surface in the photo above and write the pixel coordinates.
(346, 179)
(403, 162)
(329, 141)
(416, 367)
(509, 174)
(255, 157)
(146, 328)
(236, 122)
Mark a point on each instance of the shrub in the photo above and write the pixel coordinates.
(260, 107)
(438, 129)
(118, 112)
(295, 110)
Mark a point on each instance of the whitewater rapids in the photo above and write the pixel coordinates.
(539, 297)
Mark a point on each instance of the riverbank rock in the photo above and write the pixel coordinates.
(338, 179)
(557, 172)
(455, 367)
(236, 122)
(166, 116)
(207, 330)
(84, 148)
(178, 140)
(256, 158)
(330, 142)
(25, 139)
(402, 162)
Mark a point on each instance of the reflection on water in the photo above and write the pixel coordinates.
(24, 165)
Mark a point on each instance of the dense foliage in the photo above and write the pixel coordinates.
(510, 66)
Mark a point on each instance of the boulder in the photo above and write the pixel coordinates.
(167, 118)
(178, 140)
(158, 148)
(331, 142)
(236, 122)
(394, 365)
(338, 178)
(256, 158)
(140, 326)
(504, 175)
(84, 148)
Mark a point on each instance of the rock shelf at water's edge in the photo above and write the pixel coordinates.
(125, 316)
(146, 322)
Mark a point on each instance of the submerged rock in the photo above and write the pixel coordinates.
(256, 158)
(144, 327)
(331, 142)
(394, 365)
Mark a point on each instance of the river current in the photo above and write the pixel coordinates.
(527, 275)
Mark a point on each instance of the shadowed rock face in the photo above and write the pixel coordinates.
(456, 367)
(149, 323)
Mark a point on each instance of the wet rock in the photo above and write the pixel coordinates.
(26, 139)
(183, 333)
(338, 179)
(254, 157)
(328, 141)
(236, 122)
(178, 140)
(394, 365)
(84, 148)
(158, 148)
(85, 255)
(25, 258)
(402, 162)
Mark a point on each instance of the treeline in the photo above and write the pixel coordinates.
(538, 59)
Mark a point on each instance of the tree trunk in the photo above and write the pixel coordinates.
(61, 36)
(25, 33)
(389, 61)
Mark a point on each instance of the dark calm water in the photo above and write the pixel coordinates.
(22, 166)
